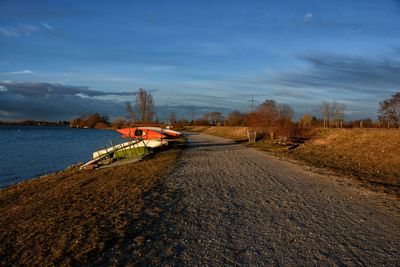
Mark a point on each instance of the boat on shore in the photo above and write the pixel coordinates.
(143, 141)
(141, 133)
(151, 143)
(148, 133)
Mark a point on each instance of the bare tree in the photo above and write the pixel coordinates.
(307, 120)
(337, 110)
(172, 118)
(235, 118)
(285, 113)
(268, 113)
(332, 112)
(145, 105)
(95, 118)
(326, 113)
(118, 123)
(389, 110)
(216, 117)
(131, 114)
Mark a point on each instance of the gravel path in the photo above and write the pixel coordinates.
(240, 206)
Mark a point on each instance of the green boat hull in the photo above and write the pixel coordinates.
(131, 153)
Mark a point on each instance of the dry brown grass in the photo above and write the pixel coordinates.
(101, 217)
(372, 155)
(234, 133)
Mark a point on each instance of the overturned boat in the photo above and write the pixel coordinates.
(131, 145)
(148, 133)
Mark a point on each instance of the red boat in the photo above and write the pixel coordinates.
(141, 132)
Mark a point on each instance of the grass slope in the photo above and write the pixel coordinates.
(99, 217)
(234, 133)
(372, 155)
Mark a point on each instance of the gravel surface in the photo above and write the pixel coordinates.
(240, 206)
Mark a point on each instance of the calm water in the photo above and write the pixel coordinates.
(29, 151)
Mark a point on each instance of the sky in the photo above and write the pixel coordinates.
(63, 59)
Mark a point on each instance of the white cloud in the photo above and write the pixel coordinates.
(308, 17)
(18, 72)
(47, 26)
(8, 32)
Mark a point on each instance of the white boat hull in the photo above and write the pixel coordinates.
(153, 143)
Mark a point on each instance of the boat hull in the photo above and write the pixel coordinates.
(142, 133)
(152, 143)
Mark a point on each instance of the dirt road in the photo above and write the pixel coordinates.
(240, 206)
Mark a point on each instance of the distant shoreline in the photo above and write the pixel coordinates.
(34, 123)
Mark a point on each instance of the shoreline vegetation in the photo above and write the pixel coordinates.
(35, 123)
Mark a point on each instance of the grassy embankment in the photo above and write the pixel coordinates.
(234, 133)
(100, 217)
(369, 155)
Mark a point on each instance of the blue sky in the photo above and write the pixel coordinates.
(62, 59)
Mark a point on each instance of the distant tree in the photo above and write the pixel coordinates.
(181, 122)
(216, 117)
(307, 120)
(206, 117)
(363, 123)
(172, 118)
(118, 123)
(252, 119)
(389, 111)
(332, 112)
(235, 118)
(89, 121)
(93, 119)
(131, 114)
(326, 113)
(285, 113)
(268, 112)
(77, 123)
(338, 113)
(101, 125)
(145, 105)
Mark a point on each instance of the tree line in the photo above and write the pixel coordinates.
(141, 112)
(35, 123)
(269, 114)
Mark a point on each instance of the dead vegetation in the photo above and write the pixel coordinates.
(109, 216)
(371, 155)
(234, 133)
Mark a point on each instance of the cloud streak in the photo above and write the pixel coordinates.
(18, 72)
(55, 90)
(350, 74)
(24, 29)
(308, 17)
